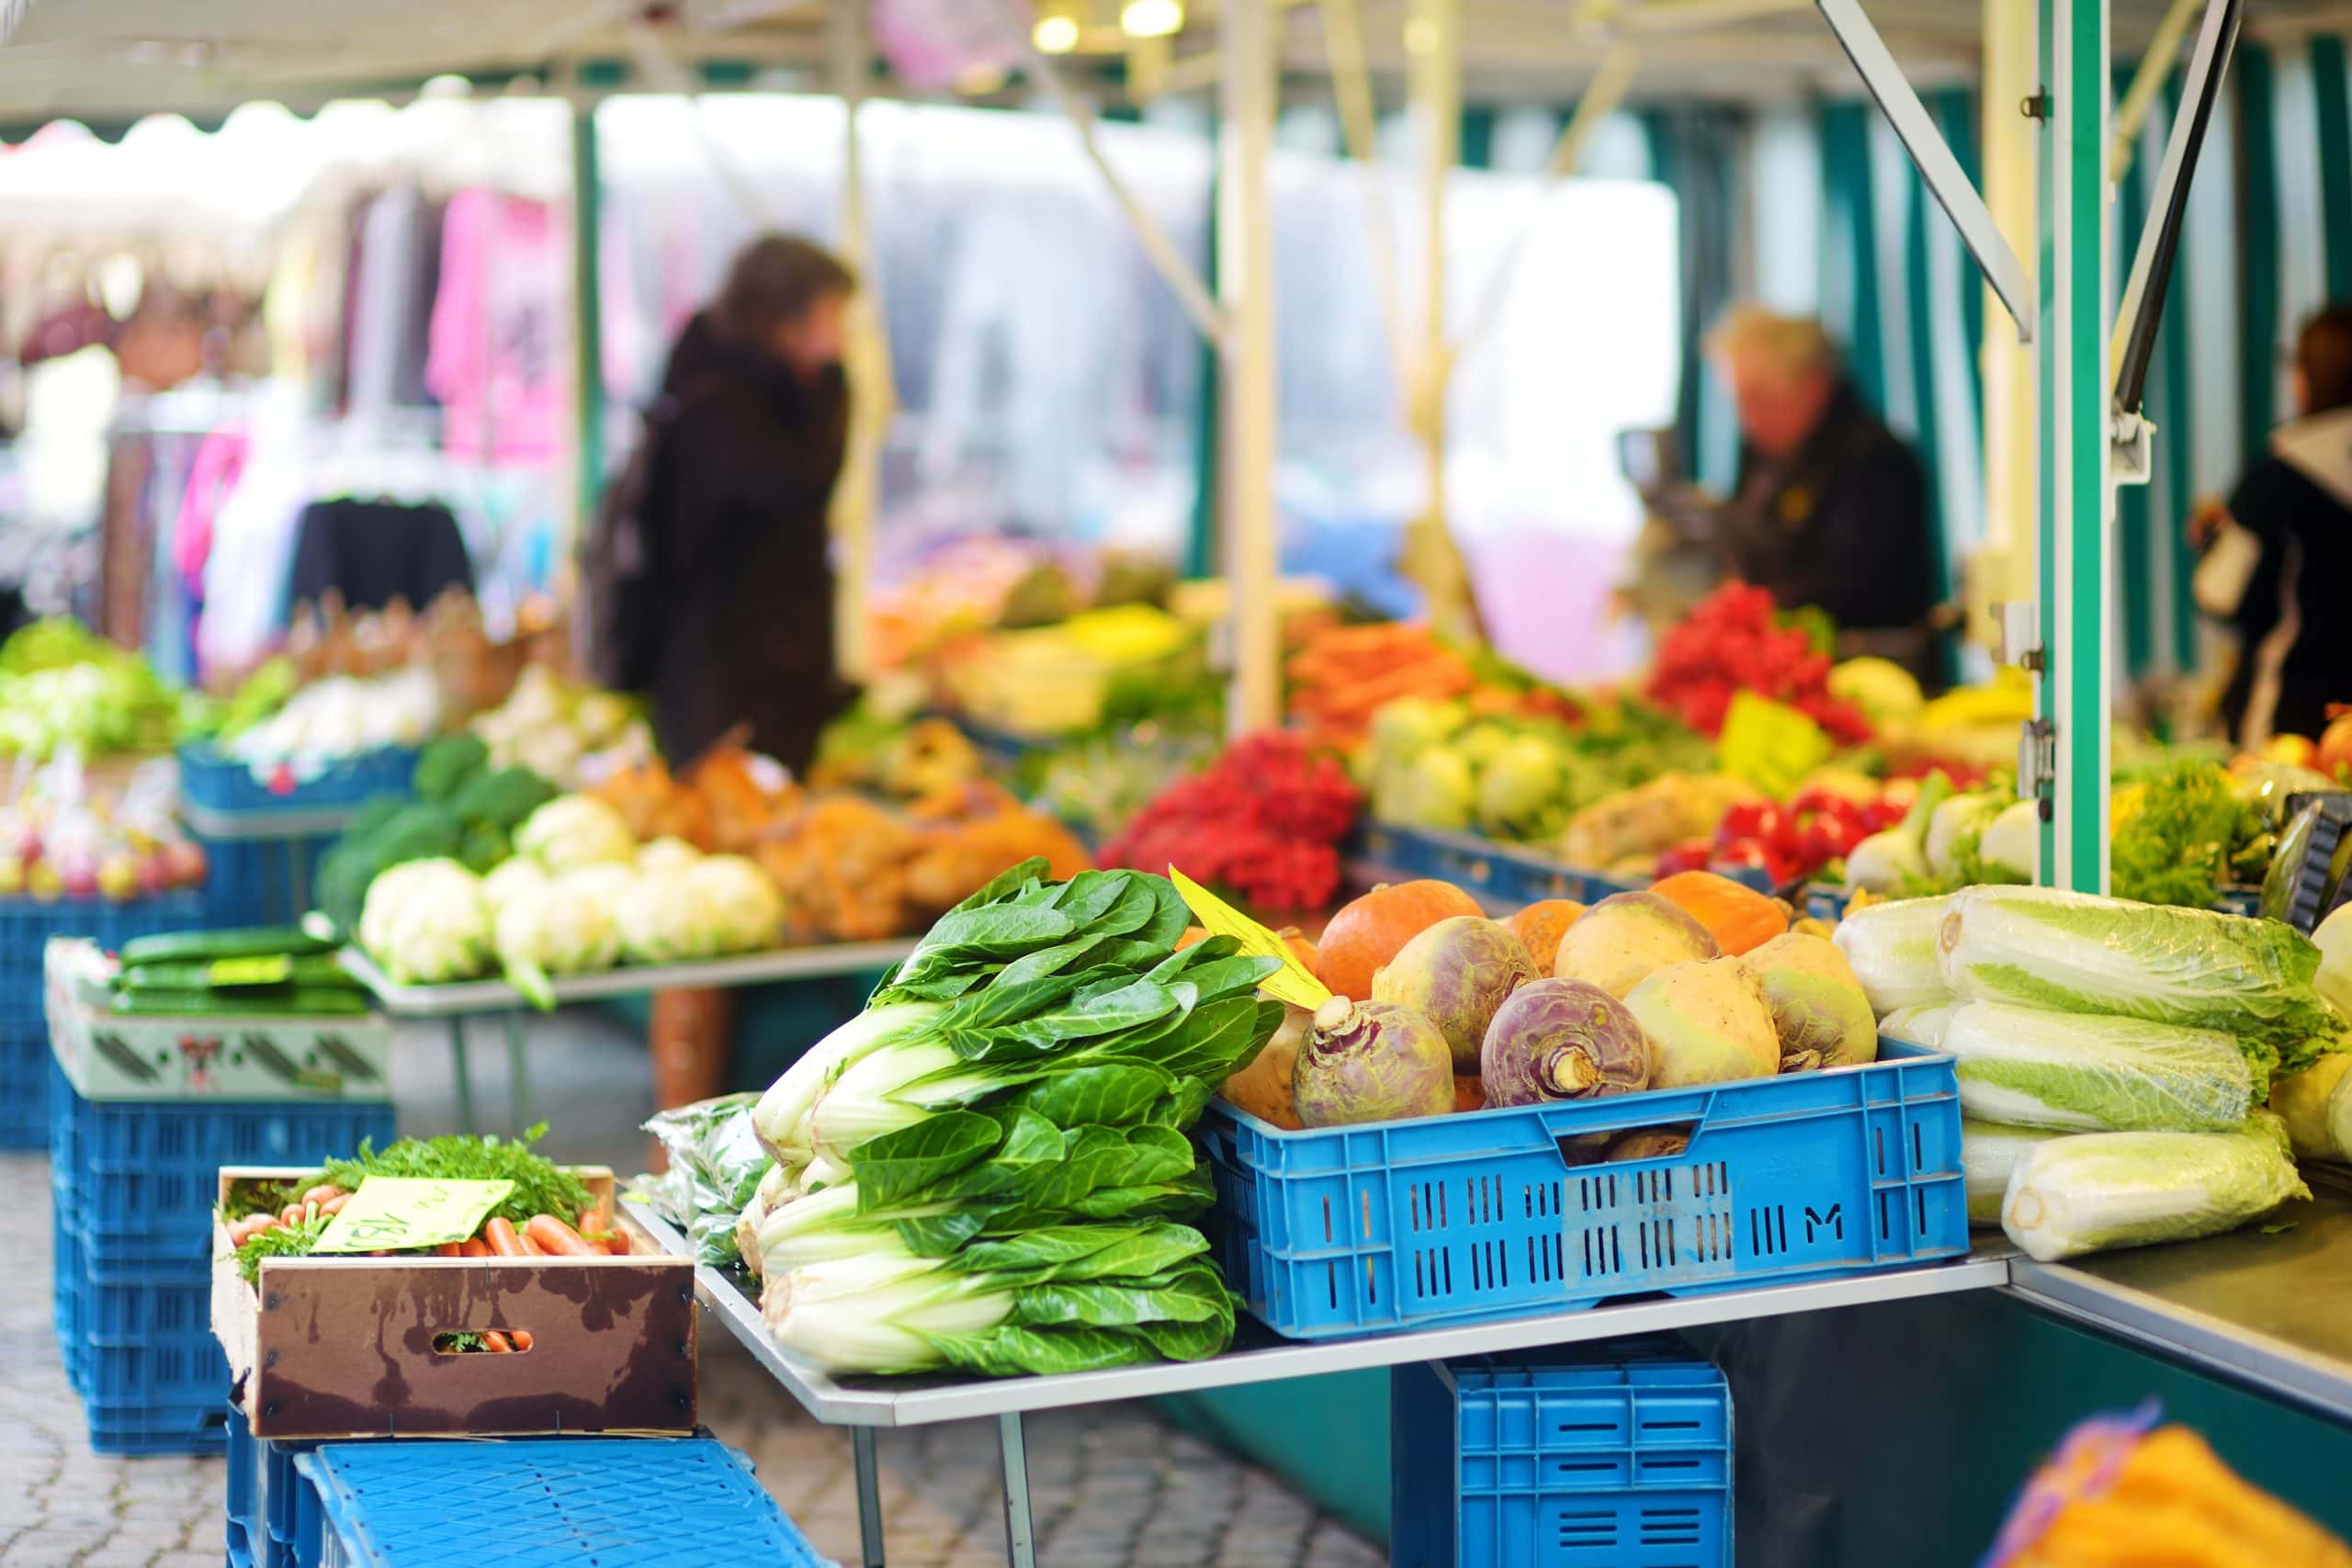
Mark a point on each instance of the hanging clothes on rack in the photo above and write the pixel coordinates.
(397, 258)
(372, 552)
(496, 346)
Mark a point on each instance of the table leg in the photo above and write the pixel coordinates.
(518, 1082)
(1020, 1537)
(869, 1496)
(463, 1078)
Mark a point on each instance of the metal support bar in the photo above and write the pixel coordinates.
(587, 329)
(1250, 409)
(1157, 248)
(664, 74)
(2132, 108)
(874, 395)
(1937, 166)
(1020, 1531)
(518, 1073)
(869, 1496)
(464, 1080)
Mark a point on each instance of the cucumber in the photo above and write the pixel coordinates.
(243, 974)
(294, 1002)
(205, 947)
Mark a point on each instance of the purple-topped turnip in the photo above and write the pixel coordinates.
(1563, 1040)
(1456, 974)
(1370, 1062)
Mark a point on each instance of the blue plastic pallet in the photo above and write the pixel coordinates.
(1620, 1459)
(1490, 1214)
(139, 1428)
(613, 1502)
(210, 781)
(24, 1118)
(261, 1512)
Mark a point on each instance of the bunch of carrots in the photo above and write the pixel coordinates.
(1340, 674)
(543, 1235)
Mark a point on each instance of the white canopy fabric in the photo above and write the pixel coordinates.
(119, 59)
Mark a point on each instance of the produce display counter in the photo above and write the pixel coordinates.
(472, 998)
(864, 1404)
(2270, 1310)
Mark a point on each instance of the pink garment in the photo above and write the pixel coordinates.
(495, 359)
(211, 476)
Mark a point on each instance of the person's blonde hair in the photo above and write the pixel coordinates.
(1784, 348)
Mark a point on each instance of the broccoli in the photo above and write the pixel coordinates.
(501, 799)
(339, 887)
(485, 846)
(445, 766)
(425, 831)
(371, 818)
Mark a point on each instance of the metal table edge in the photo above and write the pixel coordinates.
(465, 998)
(922, 1404)
(2197, 1339)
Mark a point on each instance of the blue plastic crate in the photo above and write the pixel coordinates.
(24, 1109)
(212, 782)
(146, 1174)
(263, 1512)
(614, 1502)
(1501, 875)
(26, 926)
(261, 881)
(1361, 1230)
(140, 1428)
(1620, 1459)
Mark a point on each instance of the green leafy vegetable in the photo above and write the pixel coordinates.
(295, 1240)
(540, 1186)
(2083, 1194)
(2080, 1072)
(2061, 952)
(2185, 839)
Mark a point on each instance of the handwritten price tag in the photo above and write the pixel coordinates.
(1291, 983)
(395, 1213)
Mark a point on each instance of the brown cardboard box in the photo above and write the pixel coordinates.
(343, 1346)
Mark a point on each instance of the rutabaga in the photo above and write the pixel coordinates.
(2083, 1073)
(2041, 947)
(1988, 1153)
(2103, 1191)
(1892, 950)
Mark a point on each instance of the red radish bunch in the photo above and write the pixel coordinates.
(1732, 642)
(1262, 822)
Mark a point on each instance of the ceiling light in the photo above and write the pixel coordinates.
(1151, 18)
(1054, 34)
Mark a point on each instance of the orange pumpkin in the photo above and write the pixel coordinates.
(1542, 925)
(1737, 916)
(1365, 934)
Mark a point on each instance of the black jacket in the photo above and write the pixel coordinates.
(736, 525)
(2297, 501)
(1842, 526)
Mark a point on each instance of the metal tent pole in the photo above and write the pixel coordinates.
(874, 399)
(587, 332)
(2077, 547)
(2002, 570)
(1246, 292)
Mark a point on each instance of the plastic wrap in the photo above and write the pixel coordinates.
(715, 1164)
(1990, 1151)
(2040, 947)
(2089, 1074)
(1892, 950)
(1919, 1025)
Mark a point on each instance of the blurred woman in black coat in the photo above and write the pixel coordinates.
(752, 428)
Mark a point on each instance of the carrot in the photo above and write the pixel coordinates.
(618, 1244)
(521, 1336)
(473, 1247)
(556, 1238)
(291, 1215)
(532, 1248)
(593, 1220)
(322, 1192)
(335, 1204)
(494, 1342)
(251, 1225)
(499, 1232)
(446, 1249)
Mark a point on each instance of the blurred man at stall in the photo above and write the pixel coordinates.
(751, 436)
(1831, 508)
(2281, 548)
(734, 602)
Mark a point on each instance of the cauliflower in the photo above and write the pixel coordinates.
(511, 881)
(738, 904)
(574, 830)
(563, 925)
(663, 923)
(667, 858)
(427, 923)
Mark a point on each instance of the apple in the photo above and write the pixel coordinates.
(43, 883)
(187, 862)
(118, 877)
(2289, 750)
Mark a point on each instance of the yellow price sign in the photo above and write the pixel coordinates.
(1292, 983)
(399, 1213)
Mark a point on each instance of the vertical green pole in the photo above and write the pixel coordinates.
(1199, 535)
(2076, 539)
(587, 301)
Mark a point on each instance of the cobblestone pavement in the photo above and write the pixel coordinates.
(1110, 1485)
